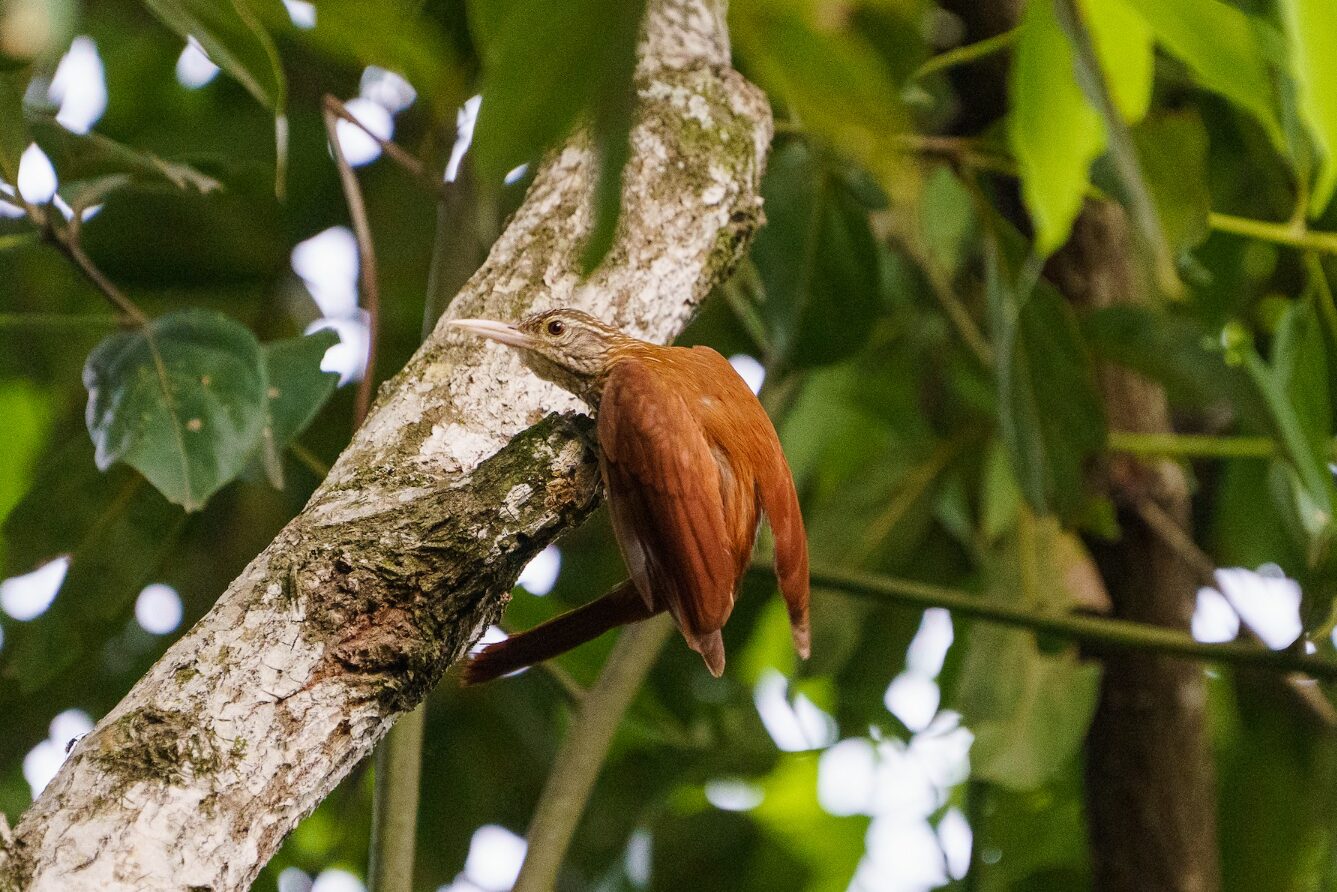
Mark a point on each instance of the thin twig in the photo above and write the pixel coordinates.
(1098, 632)
(392, 149)
(371, 294)
(67, 242)
(971, 52)
(1190, 445)
(1287, 234)
(582, 754)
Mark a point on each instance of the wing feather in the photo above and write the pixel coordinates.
(664, 489)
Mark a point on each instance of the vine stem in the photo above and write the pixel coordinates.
(371, 292)
(1089, 630)
(1190, 445)
(584, 749)
(1278, 233)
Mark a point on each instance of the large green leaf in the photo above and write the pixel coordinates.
(1029, 710)
(1173, 151)
(1053, 131)
(91, 156)
(1226, 50)
(1312, 36)
(544, 66)
(1126, 51)
(182, 400)
(297, 390)
(234, 38)
(116, 531)
(818, 260)
(230, 34)
(1050, 413)
(828, 74)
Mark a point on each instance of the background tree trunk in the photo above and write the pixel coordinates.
(405, 553)
(1150, 785)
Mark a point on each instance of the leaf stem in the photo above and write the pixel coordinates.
(964, 55)
(583, 750)
(1089, 630)
(371, 292)
(67, 242)
(392, 149)
(1191, 445)
(1287, 234)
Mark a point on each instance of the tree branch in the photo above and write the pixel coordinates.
(405, 552)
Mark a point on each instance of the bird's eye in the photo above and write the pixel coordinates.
(556, 327)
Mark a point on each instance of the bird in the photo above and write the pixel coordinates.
(690, 463)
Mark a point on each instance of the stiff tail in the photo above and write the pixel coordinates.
(622, 605)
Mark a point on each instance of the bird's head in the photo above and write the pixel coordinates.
(570, 348)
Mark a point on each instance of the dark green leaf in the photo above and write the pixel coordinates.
(115, 529)
(13, 132)
(182, 400)
(1180, 355)
(230, 34)
(91, 156)
(1051, 417)
(297, 390)
(544, 66)
(1173, 152)
(1308, 373)
(818, 261)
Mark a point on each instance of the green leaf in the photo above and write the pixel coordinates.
(1179, 354)
(116, 531)
(236, 42)
(1029, 710)
(829, 75)
(1053, 131)
(1225, 49)
(1306, 370)
(1051, 417)
(91, 156)
(544, 66)
(182, 400)
(297, 390)
(818, 261)
(1173, 151)
(14, 136)
(1312, 44)
(1126, 51)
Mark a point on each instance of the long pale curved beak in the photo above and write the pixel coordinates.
(494, 331)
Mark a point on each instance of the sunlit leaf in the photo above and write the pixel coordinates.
(1126, 51)
(1053, 131)
(182, 400)
(1312, 41)
(818, 260)
(1224, 47)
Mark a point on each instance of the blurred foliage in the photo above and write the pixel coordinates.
(938, 398)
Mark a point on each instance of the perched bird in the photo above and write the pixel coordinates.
(690, 461)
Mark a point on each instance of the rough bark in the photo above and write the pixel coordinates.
(1150, 785)
(405, 553)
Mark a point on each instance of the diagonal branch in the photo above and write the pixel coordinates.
(404, 554)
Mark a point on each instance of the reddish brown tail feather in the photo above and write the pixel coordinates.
(622, 605)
